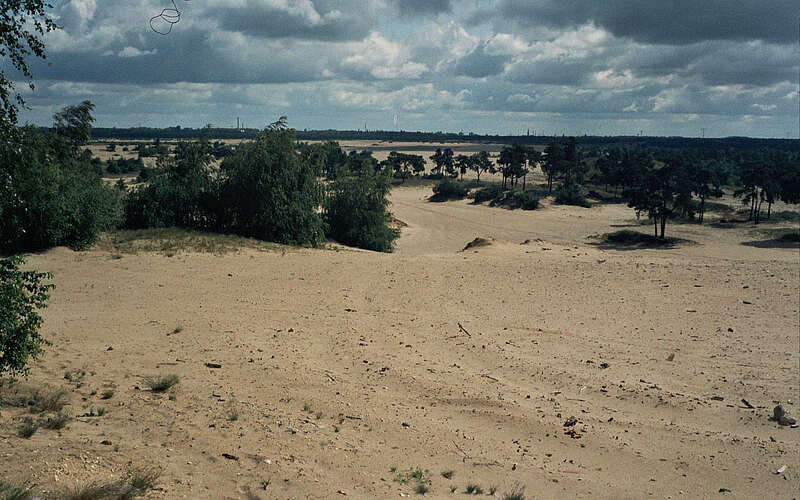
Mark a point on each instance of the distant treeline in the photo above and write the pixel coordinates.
(741, 143)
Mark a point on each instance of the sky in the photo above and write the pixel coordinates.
(692, 68)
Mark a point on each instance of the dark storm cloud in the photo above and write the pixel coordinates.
(671, 22)
(479, 64)
(319, 20)
(191, 57)
(560, 71)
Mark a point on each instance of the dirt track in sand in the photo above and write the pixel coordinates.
(339, 365)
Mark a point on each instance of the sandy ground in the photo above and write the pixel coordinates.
(343, 369)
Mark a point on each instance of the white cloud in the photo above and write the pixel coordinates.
(134, 52)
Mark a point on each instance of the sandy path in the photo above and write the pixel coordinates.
(340, 365)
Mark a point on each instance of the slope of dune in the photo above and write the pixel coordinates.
(556, 365)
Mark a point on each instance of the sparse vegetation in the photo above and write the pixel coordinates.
(27, 428)
(161, 383)
(448, 474)
(448, 190)
(107, 394)
(571, 193)
(491, 192)
(15, 491)
(56, 422)
(516, 493)
(135, 484)
(473, 489)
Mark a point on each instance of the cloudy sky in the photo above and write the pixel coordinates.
(662, 67)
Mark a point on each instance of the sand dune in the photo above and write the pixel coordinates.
(342, 370)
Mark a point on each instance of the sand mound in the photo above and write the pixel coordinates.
(479, 242)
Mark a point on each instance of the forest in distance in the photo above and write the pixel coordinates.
(178, 132)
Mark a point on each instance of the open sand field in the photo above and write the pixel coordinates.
(332, 373)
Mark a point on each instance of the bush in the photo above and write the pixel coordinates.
(448, 190)
(488, 193)
(49, 197)
(21, 295)
(635, 239)
(270, 191)
(356, 212)
(571, 193)
(180, 193)
(525, 200)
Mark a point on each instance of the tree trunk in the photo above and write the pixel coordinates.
(655, 227)
(769, 209)
(663, 224)
(702, 209)
(524, 180)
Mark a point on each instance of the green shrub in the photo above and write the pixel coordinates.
(488, 193)
(161, 383)
(571, 193)
(21, 295)
(525, 200)
(270, 191)
(180, 193)
(448, 190)
(49, 197)
(356, 212)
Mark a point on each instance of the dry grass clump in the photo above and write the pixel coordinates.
(27, 428)
(170, 241)
(15, 491)
(37, 400)
(161, 383)
(55, 422)
(135, 484)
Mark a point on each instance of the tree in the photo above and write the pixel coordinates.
(463, 163)
(513, 160)
(654, 193)
(403, 164)
(552, 164)
(22, 27)
(22, 294)
(481, 162)
(335, 158)
(443, 162)
(270, 191)
(48, 197)
(706, 178)
(356, 211)
(74, 124)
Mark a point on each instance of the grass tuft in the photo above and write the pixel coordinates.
(516, 493)
(448, 474)
(136, 484)
(421, 489)
(473, 489)
(28, 428)
(12, 491)
(56, 422)
(47, 401)
(161, 383)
